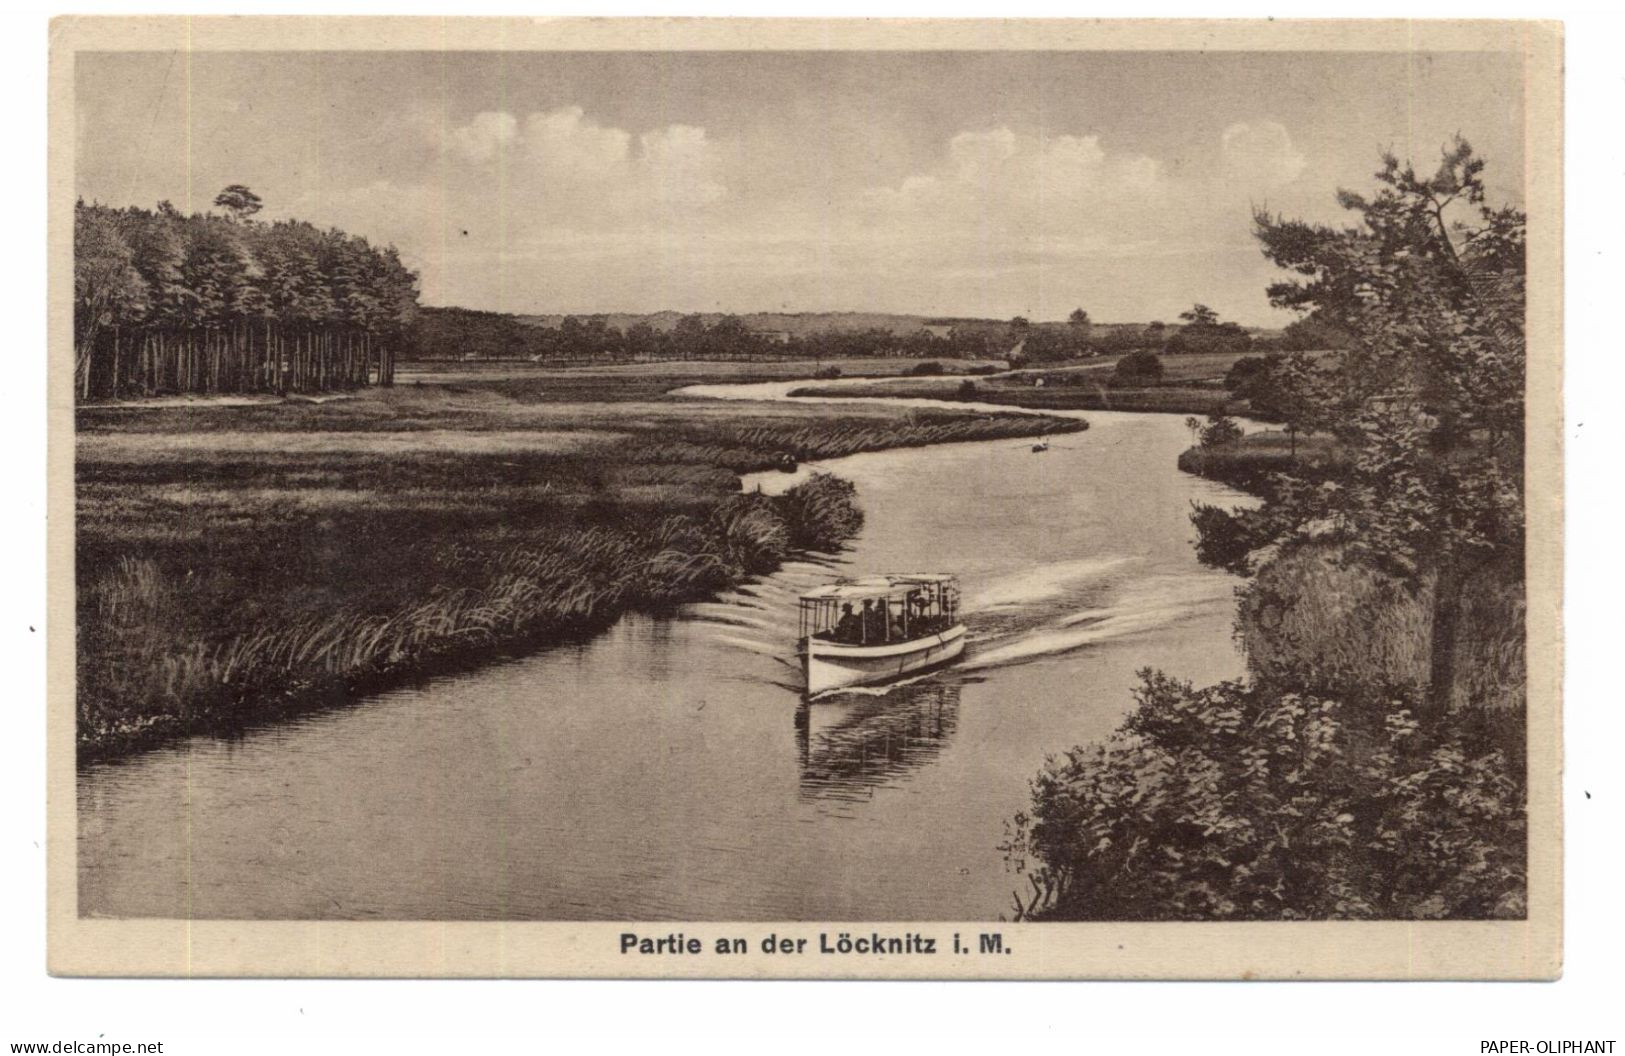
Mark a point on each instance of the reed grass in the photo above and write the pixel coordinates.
(219, 589)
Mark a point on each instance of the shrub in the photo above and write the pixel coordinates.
(967, 390)
(1138, 368)
(1243, 803)
(825, 373)
(1220, 430)
(1245, 371)
(821, 513)
(929, 367)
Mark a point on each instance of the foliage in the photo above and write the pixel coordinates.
(204, 303)
(1137, 369)
(1203, 333)
(1428, 394)
(1220, 430)
(1238, 803)
(821, 512)
(1247, 372)
(1053, 344)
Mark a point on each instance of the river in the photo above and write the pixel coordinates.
(668, 769)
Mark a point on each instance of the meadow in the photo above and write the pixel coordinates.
(238, 562)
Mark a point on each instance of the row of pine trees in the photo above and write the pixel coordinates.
(222, 303)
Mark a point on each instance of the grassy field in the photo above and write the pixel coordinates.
(1190, 385)
(237, 562)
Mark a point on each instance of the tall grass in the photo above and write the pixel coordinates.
(147, 671)
(1316, 623)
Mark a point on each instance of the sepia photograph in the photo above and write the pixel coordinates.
(743, 499)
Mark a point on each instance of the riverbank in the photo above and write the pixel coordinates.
(1190, 385)
(241, 563)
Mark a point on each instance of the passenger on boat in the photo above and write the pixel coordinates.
(848, 628)
(874, 622)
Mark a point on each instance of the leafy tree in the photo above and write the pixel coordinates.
(1220, 430)
(1245, 373)
(1428, 395)
(1200, 315)
(1295, 396)
(108, 289)
(239, 201)
(1137, 369)
(1078, 318)
(203, 303)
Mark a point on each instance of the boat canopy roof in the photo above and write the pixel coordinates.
(876, 586)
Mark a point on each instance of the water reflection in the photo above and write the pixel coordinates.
(853, 743)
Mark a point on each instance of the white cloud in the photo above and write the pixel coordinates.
(1261, 153)
(682, 165)
(557, 209)
(483, 137)
(562, 166)
(1000, 200)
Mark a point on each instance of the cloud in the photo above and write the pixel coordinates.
(483, 137)
(557, 209)
(562, 166)
(1260, 153)
(999, 199)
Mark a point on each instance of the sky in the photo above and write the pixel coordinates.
(940, 183)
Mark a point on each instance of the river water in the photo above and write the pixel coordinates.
(669, 769)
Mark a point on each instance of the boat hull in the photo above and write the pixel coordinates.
(831, 666)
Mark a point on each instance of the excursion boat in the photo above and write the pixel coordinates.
(856, 632)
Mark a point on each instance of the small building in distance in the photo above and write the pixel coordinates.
(777, 337)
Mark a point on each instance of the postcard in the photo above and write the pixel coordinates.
(805, 499)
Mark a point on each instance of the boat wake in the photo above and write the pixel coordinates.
(1044, 582)
(1143, 606)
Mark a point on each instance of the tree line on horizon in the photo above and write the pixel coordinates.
(466, 333)
(166, 302)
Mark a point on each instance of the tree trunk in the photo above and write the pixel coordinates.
(1446, 618)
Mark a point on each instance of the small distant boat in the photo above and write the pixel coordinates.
(1042, 445)
(857, 632)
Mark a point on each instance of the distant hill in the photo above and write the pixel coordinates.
(794, 323)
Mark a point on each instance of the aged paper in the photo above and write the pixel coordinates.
(695, 498)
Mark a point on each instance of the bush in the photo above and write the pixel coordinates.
(929, 367)
(1246, 371)
(967, 390)
(1220, 430)
(821, 513)
(1243, 803)
(1137, 369)
(825, 373)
